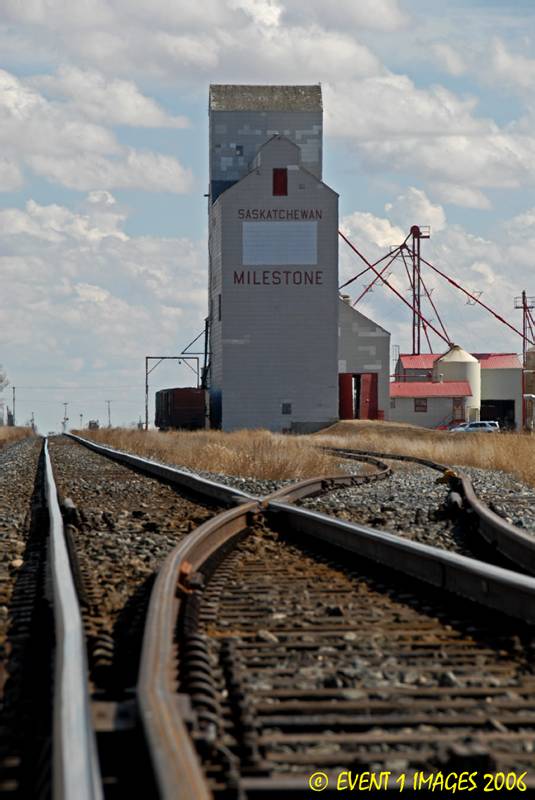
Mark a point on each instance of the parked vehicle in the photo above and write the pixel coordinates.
(488, 426)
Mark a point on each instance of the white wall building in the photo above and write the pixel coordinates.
(500, 387)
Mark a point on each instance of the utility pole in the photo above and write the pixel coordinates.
(417, 232)
(14, 423)
(33, 422)
(526, 304)
(65, 417)
(109, 413)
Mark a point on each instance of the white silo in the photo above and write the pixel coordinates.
(458, 365)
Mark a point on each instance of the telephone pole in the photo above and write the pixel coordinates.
(14, 423)
(109, 413)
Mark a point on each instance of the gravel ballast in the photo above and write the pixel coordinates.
(508, 497)
(22, 553)
(122, 526)
(411, 504)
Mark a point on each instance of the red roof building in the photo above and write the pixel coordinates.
(425, 361)
(429, 389)
(415, 397)
(498, 360)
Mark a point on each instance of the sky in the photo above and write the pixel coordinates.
(429, 119)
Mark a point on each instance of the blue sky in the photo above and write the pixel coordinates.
(429, 113)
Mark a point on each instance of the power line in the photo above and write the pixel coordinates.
(77, 388)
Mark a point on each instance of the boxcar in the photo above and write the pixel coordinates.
(180, 408)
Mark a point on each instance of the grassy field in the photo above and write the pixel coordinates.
(8, 435)
(257, 454)
(262, 454)
(510, 452)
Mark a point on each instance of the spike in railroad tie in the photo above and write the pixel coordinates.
(184, 574)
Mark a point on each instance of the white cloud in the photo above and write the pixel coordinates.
(62, 13)
(10, 176)
(414, 208)
(476, 263)
(186, 43)
(448, 58)
(392, 106)
(54, 223)
(263, 12)
(432, 133)
(93, 294)
(522, 222)
(513, 69)
(383, 15)
(149, 171)
(460, 195)
(113, 102)
(373, 229)
(101, 197)
(79, 295)
(57, 144)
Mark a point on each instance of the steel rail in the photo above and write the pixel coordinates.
(227, 494)
(359, 454)
(174, 758)
(76, 772)
(175, 761)
(178, 771)
(501, 589)
(213, 490)
(511, 542)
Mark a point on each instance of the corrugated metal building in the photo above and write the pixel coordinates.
(363, 365)
(278, 329)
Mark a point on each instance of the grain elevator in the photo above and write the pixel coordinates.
(273, 261)
(274, 306)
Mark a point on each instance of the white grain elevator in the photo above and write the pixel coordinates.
(273, 272)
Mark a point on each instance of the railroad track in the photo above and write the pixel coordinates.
(502, 541)
(297, 661)
(274, 671)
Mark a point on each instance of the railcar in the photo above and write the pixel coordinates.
(180, 408)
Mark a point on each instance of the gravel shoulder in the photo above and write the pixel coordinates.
(505, 495)
(122, 526)
(18, 466)
(22, 553)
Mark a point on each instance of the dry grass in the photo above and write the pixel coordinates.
(510, 452)
(257, 454)
(261, 454)
(10, 435)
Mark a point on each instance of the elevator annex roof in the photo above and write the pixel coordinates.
(487, 360)
(428, 389)
(234, 97)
